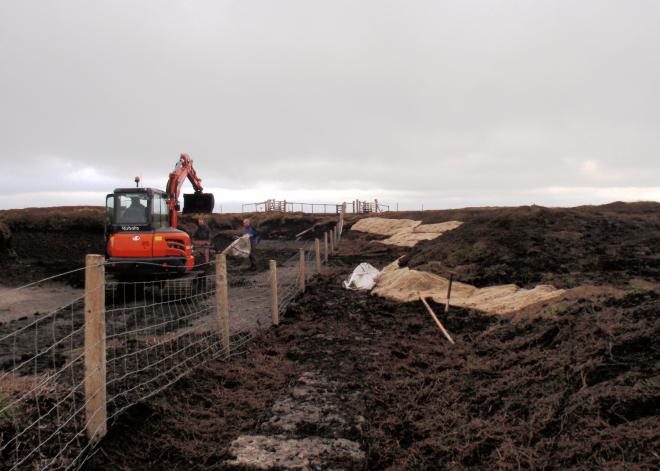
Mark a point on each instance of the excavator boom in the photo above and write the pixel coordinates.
(197, 202)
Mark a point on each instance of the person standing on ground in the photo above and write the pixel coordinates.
(201, 241)
(203, 232)
(252, 233)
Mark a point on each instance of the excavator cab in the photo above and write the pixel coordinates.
(139, 237)
(134, 207)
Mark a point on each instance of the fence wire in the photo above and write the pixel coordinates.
(154, 330)
(155, 333)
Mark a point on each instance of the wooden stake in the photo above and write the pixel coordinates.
(317, 252)
(435, 318)
(95, 361)
(275, 308)
(301, 274)
(304, 232)
(451, 280)
(222, 302)
(325, 244)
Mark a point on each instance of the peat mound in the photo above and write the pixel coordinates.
(564, 247)
(5, 242)
(47, 241)
(285, 226)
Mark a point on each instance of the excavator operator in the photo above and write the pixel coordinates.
(136, 213)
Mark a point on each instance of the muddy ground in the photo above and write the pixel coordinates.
(572, 385)
(576, 390)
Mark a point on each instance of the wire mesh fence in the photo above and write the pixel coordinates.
(155, 331)
(62, 384)
(41, 388)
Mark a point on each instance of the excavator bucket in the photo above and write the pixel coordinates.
(198, 203)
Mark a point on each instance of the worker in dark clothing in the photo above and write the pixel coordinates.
(201, 242)
(252, 233)
(136, 213)
(203, 232)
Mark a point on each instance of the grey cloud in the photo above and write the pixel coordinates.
(456, 101)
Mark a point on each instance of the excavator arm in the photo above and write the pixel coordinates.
(197, 202)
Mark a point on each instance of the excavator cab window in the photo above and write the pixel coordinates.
(132, 208)
(109, 209)
(160, 212)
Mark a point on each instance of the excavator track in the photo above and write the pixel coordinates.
(194, 285)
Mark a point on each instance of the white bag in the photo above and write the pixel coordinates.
(363, 277)
(240, 248)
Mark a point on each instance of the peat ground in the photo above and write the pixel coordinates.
(576, 385)
(572, 385)
(574, 390)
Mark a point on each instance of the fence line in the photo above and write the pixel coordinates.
(57, 398)
(356, 206)
(290, 207)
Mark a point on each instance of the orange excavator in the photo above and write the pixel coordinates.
(141, 226)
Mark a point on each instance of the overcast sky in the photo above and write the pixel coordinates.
(441, 103)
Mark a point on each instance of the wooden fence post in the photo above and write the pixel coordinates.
(95, 363)
(317, 252)
(341, 220)
(301, 273)
(222, 302)
(275, 308)
(451, 280)
(331, 235)
(325, 244)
